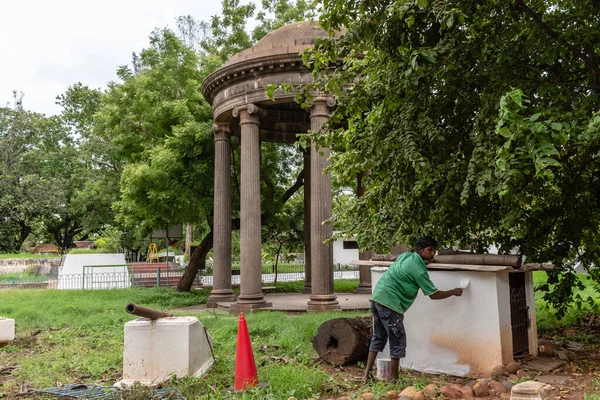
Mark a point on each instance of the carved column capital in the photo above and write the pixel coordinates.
(248, 113)
(322, 106)
(221, 131)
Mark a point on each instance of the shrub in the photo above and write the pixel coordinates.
(33, 269)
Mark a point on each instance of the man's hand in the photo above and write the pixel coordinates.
(444, 294)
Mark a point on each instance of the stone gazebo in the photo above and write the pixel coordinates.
(242, 108)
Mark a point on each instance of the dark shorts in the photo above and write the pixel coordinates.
(388, 324)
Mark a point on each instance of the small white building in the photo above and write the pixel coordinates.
(94, 271)
(345, 250)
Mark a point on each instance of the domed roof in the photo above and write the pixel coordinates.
(293, 38)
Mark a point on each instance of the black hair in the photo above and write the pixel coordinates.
(425, 241)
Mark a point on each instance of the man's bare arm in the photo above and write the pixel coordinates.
(444, 294)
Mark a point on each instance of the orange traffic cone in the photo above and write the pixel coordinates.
(245, 368)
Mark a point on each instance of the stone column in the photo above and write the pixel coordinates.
(251, 295)
(364, 285)
(307, 263)
(322, 297)
(221, 291)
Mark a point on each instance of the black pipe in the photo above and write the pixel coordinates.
(146, 312)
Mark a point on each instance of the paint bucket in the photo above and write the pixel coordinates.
(384, 368)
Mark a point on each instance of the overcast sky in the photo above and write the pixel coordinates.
(47, 45)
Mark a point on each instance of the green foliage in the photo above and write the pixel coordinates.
(551, 315)
(27, 255)
(85, 172)
(89, 251)
(277, 13)
(28, 143)
(22, 277)
(55, 182)
(159, 123)
(110, 240)
(477, 123)
(595, 394)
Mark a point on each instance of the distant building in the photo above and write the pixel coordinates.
(84, 244)
(46, 248)
(345, 250)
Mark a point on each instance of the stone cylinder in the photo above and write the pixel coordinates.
(251, 295)
(322, 294)
(222, 290)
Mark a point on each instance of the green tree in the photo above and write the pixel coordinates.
(282, 178)
(160, 125)
(81, 168)
(276, 13)
(477, 121)
(25, 194)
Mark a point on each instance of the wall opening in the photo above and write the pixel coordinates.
(519, 315)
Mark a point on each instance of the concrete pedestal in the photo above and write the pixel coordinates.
(7, 330)
(155, 350)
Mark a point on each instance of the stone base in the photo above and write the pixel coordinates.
(213, 300)
(237, 308)
(7, 330)
(363, 289)
(320, 302)
(155, 350)
(532, 390)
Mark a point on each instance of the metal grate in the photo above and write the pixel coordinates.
(519, 314)
(81, 391)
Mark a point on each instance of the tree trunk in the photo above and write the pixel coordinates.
(197, 262)
(23, 234)
(343, 341)
(188, 238)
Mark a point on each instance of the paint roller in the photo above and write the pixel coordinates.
(464, 283)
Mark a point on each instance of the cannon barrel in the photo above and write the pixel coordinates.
(146, 312)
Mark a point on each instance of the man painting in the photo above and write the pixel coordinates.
(393, 295)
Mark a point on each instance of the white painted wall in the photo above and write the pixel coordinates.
(458, 335)
(341, 255)
(530, 298)
(114, 276)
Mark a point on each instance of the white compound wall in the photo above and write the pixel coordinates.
(102, 271)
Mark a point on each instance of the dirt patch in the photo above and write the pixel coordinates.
(578, 375)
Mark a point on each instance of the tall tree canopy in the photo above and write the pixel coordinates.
(160, 126)
(25, 194)
(477, 121)
(52, 183)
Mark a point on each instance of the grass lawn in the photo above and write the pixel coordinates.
(4, 256)
(77, 336)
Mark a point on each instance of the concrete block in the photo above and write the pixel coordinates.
(532, 390)
(7, 330)
(155, 350)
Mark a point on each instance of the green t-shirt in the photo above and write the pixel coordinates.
(397, 288)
